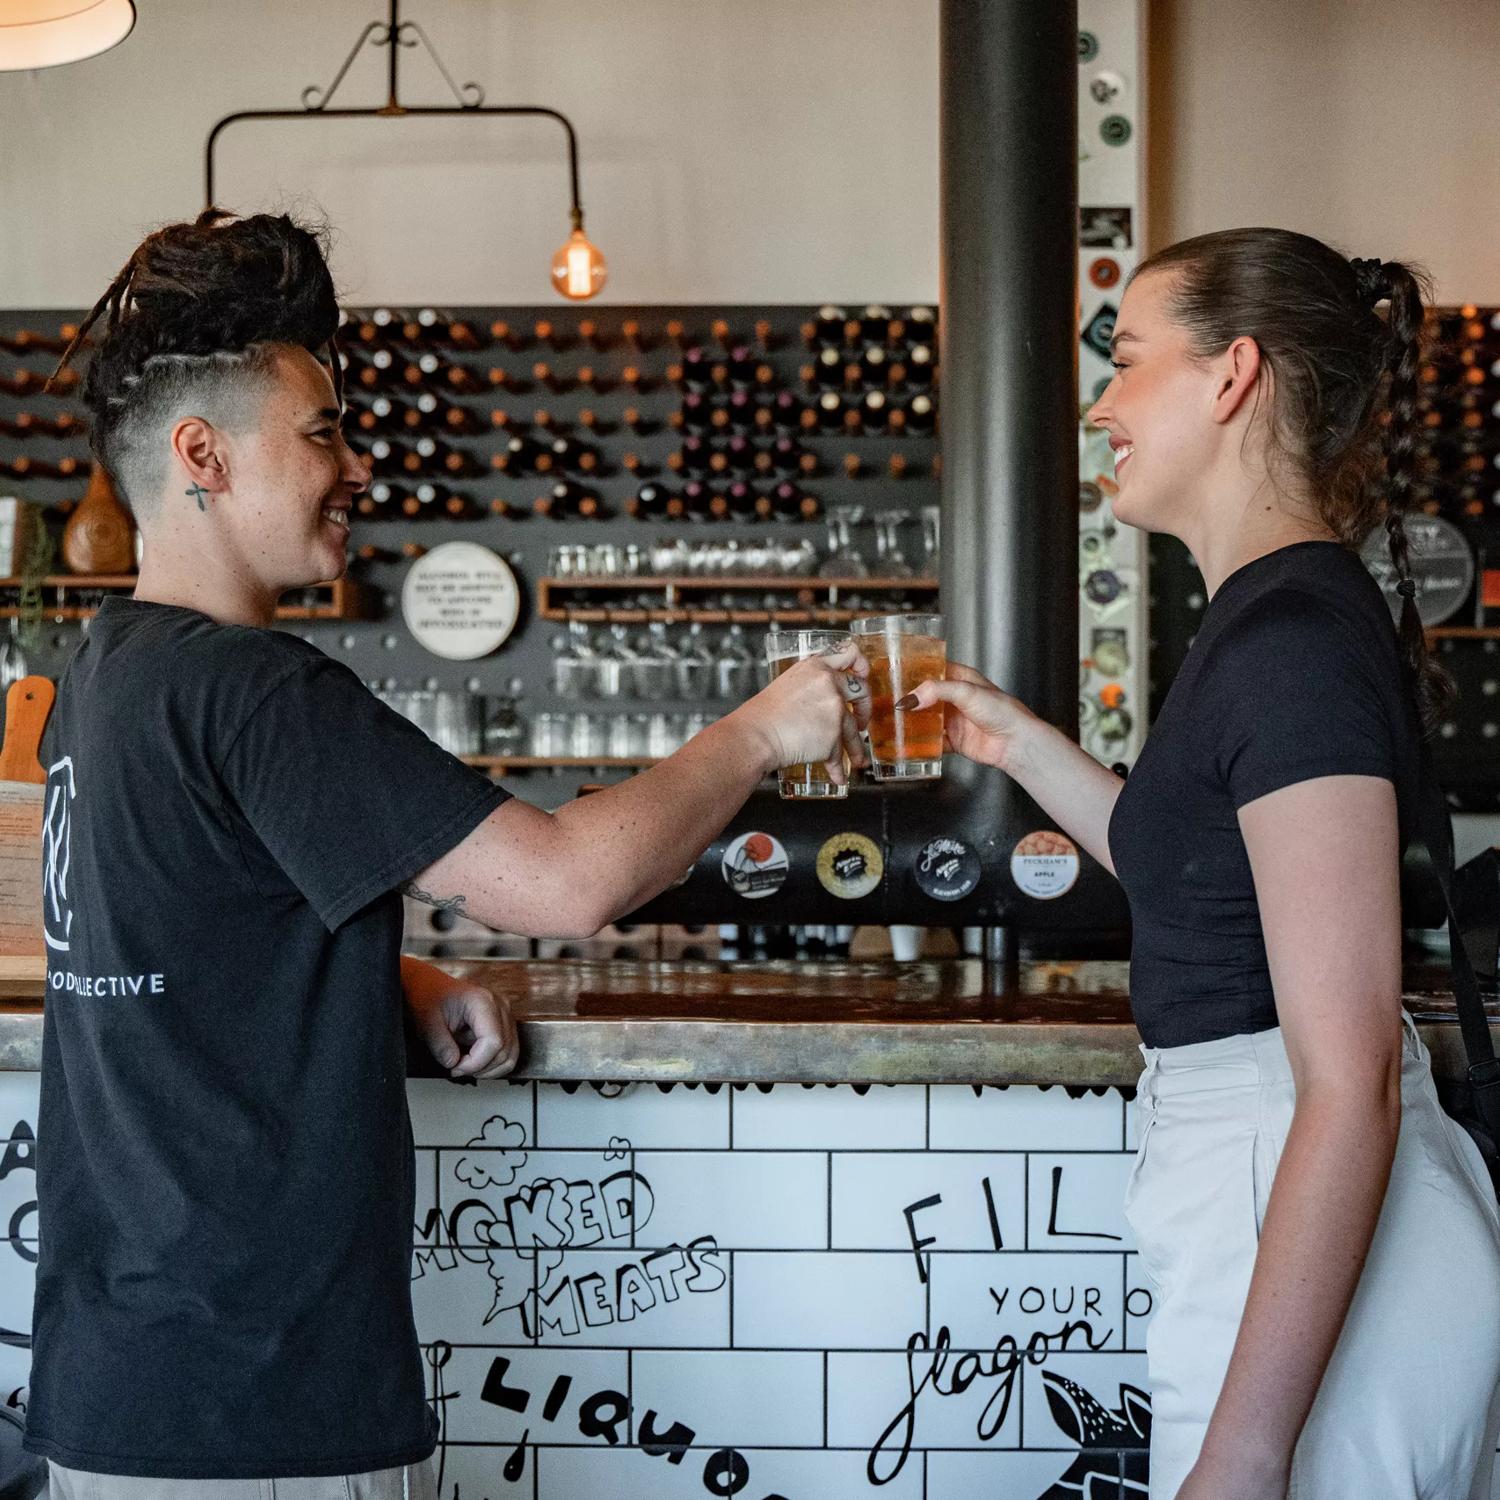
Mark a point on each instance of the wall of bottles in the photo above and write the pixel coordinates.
(663, 484)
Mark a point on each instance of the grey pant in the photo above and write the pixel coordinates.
(413, 1482)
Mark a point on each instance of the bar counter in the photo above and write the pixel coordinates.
(939, 1022)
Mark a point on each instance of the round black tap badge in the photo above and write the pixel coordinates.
(850, 865)
(947, 869)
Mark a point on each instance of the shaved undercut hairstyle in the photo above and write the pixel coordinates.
(191, 327)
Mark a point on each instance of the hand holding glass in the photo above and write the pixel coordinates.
(784, 649)
(903, 651)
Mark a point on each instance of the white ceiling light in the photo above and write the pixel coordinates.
(46, 33)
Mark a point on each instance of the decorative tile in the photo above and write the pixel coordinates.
(458, 1296)
(748, 1200)
(829, 1300)
(1024, 1118)
(1099, 1400)
(643, 1299)
(958, 1201)
(985, 1299)
(444, 1113)
(489, 1472)
(733, 1397)
(678, 1119)
(959, 1402)
(494, 1192)
(631, 1474)
(20, 1094)
(1016, 1476)
(1075, 1202)
(554, 1395)
(791, 1117)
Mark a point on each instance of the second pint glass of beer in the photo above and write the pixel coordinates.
(785, 648)
(904, 651)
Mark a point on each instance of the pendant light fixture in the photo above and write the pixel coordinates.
(48, 33)
(578, 268)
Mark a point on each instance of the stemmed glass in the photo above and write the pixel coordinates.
(843, 560)
(932, 548)
(890, 561)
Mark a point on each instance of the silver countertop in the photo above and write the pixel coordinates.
(784, 1022)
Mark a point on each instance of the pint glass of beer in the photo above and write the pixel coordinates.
(784, 648)
(903, 651)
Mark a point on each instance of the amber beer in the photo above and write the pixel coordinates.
(904, 651)
(784, 649)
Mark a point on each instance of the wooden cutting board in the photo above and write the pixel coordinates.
(23, 787)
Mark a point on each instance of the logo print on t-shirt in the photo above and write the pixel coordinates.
(57, 854)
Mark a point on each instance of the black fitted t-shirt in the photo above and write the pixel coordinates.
(224, 1157)
(1294, 674)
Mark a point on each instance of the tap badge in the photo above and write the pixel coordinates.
(850, 865)
(946, 869)
(57, 855)
(1045, 865)
(755, 865)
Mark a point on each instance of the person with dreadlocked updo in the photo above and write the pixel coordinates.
(1321, 1240)
(225, 1166)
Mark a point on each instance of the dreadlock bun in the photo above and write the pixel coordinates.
(208, 291)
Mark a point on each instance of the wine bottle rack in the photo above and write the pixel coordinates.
(617, 388)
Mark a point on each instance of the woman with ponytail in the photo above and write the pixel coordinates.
(1322, 1241)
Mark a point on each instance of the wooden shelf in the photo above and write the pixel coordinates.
(818, 600)
(347, 600)
(560, 762)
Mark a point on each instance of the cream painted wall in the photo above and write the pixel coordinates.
(1370, 123)
(732, 150)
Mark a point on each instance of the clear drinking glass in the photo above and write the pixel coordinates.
(784, 649)
(843, 560)
(903, 651)
(891, 562)
(932, 539)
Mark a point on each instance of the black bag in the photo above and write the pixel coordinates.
(1474, 1101)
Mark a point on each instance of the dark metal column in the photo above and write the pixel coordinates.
(1009, 345)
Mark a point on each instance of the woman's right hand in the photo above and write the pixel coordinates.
(979, 721)
(804, 715)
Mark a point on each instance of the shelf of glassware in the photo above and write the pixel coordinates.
(345, 599)
(818, 600)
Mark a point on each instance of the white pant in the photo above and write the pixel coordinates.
(1409, 1408)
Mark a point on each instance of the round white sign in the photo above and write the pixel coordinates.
(460, 601)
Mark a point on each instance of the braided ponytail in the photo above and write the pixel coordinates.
(198, 308)
(1396, 284)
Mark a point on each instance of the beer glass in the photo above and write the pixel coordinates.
(903, 651)
(784, 649)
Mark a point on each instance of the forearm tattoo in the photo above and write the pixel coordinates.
(454, 904)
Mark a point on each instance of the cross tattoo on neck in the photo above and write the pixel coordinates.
(197, 492)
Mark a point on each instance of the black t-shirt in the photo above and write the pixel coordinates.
(1295, 674)
(225, 1171)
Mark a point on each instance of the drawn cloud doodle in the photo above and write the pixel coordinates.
(497, 1155)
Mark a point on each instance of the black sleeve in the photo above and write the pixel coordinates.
(350, 798)
(1290, 695)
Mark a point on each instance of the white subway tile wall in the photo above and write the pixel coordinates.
(653, 1293)
(686, 1319)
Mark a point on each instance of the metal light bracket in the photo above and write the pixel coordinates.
(395, 34)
